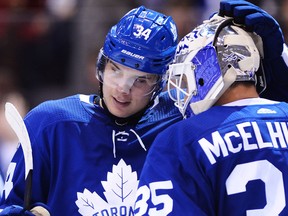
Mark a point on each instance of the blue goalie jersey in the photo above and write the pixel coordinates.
(84, 163)
(230, 160)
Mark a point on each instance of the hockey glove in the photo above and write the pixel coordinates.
(39, 209)
(259, 21)
(15, 210)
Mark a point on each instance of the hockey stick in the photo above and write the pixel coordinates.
(17, 124)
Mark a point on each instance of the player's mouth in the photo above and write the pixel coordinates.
(121, 102)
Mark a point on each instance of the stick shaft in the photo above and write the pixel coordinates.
(16, 122)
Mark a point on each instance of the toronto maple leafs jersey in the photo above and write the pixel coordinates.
(230, 160)
(84, 163)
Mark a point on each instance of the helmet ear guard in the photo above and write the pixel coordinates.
(100, 65)
(219, 54)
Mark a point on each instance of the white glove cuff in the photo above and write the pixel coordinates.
(40, 211)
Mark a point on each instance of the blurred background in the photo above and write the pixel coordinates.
(49, 47)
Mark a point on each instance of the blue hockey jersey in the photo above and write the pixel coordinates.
(84, 163)
(230, 160)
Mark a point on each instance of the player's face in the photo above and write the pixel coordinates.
(126, 91)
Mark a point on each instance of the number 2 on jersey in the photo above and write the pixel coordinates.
(272, 178)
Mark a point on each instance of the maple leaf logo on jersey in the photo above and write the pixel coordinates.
(120, 193)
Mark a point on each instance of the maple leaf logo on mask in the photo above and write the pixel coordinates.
(120, 193)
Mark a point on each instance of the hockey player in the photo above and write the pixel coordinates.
(88, 150)
(230, 158)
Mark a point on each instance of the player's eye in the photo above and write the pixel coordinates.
(142, 80)
(116, 71)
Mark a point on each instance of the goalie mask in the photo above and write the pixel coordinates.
(144, 40)
(208, 60)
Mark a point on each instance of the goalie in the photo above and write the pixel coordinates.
(229, 157)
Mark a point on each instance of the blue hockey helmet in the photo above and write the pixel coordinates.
(143, 40)
(209, 60)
